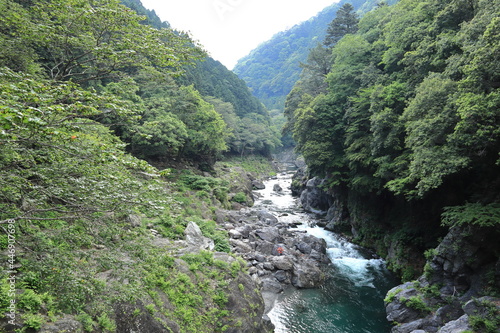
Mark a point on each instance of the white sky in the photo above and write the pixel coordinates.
(230, 29)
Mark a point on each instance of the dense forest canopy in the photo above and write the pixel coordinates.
(409, 105)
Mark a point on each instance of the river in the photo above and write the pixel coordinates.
(351, 300)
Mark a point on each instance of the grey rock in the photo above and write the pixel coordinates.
(66, 324)
(269, 234)
(244, 231)
(268, 266)
(313, 198)
(134, 220)
(284, 263)
(271, 285)
(235, 234)
(128, 321)
(396, 310)
(304, 247)
(258, 185)
(449, 312)
(240, 246)
(307, 274)
(282, 276)
(456, 326)
(266, 248)
(195, 238)
(267, 218)
(260, 258)
(481, 306)
(408, 327)
(277, 188)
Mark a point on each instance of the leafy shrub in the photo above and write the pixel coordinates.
(472, 214)
(417, 303)
(220, 237)
(30, 301)
(240, 197)
(392, 295)
(34, 321)
(106, 323)
(87, 322)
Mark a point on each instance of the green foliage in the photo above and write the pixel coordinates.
(220, 237)
(44, 129)
(345, 22)
(81, 82)
(417, 303)
(272, 69)
(30, 301)
(211, 78)
(392, 295)
(430, 254)
(240, 197)
(71, 35)
(472, 214)
(33, 321)
(484, 325)
(407, 108)
(106, 323)
(87, 322)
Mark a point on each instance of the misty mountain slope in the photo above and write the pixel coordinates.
(273, 67)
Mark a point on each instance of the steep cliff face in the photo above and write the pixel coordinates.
(379, 222)
(460, 277)
(452, 294)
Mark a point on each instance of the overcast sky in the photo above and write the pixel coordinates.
(230, 29)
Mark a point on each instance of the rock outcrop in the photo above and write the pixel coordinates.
(314, 199)
(449, 297)
(278, 254)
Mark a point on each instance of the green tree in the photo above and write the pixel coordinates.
(315, 70)
(207, 132)
(86, 40)
(345, 22)
(46, 127)
(16, 52)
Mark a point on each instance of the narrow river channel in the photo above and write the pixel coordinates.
(351, 300)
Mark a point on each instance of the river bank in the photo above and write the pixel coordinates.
(312, 280)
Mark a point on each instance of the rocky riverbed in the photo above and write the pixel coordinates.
(279, 255)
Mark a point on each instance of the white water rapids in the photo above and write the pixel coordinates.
(351, 301)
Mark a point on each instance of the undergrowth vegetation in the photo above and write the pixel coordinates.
(86, 265)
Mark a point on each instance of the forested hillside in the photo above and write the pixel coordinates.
(405, 129)
(273, 67)
(91, 93)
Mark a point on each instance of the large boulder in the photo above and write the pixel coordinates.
(195, 238)
(65, 324)
(269, 234)
(457, 326)
(266, 217)
(397, 310)
(258, 185)
(463, 268)
(313, 198)
(307, 274)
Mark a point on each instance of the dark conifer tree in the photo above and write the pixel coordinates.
(346, 22)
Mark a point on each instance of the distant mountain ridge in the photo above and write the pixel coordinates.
(271, 69)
